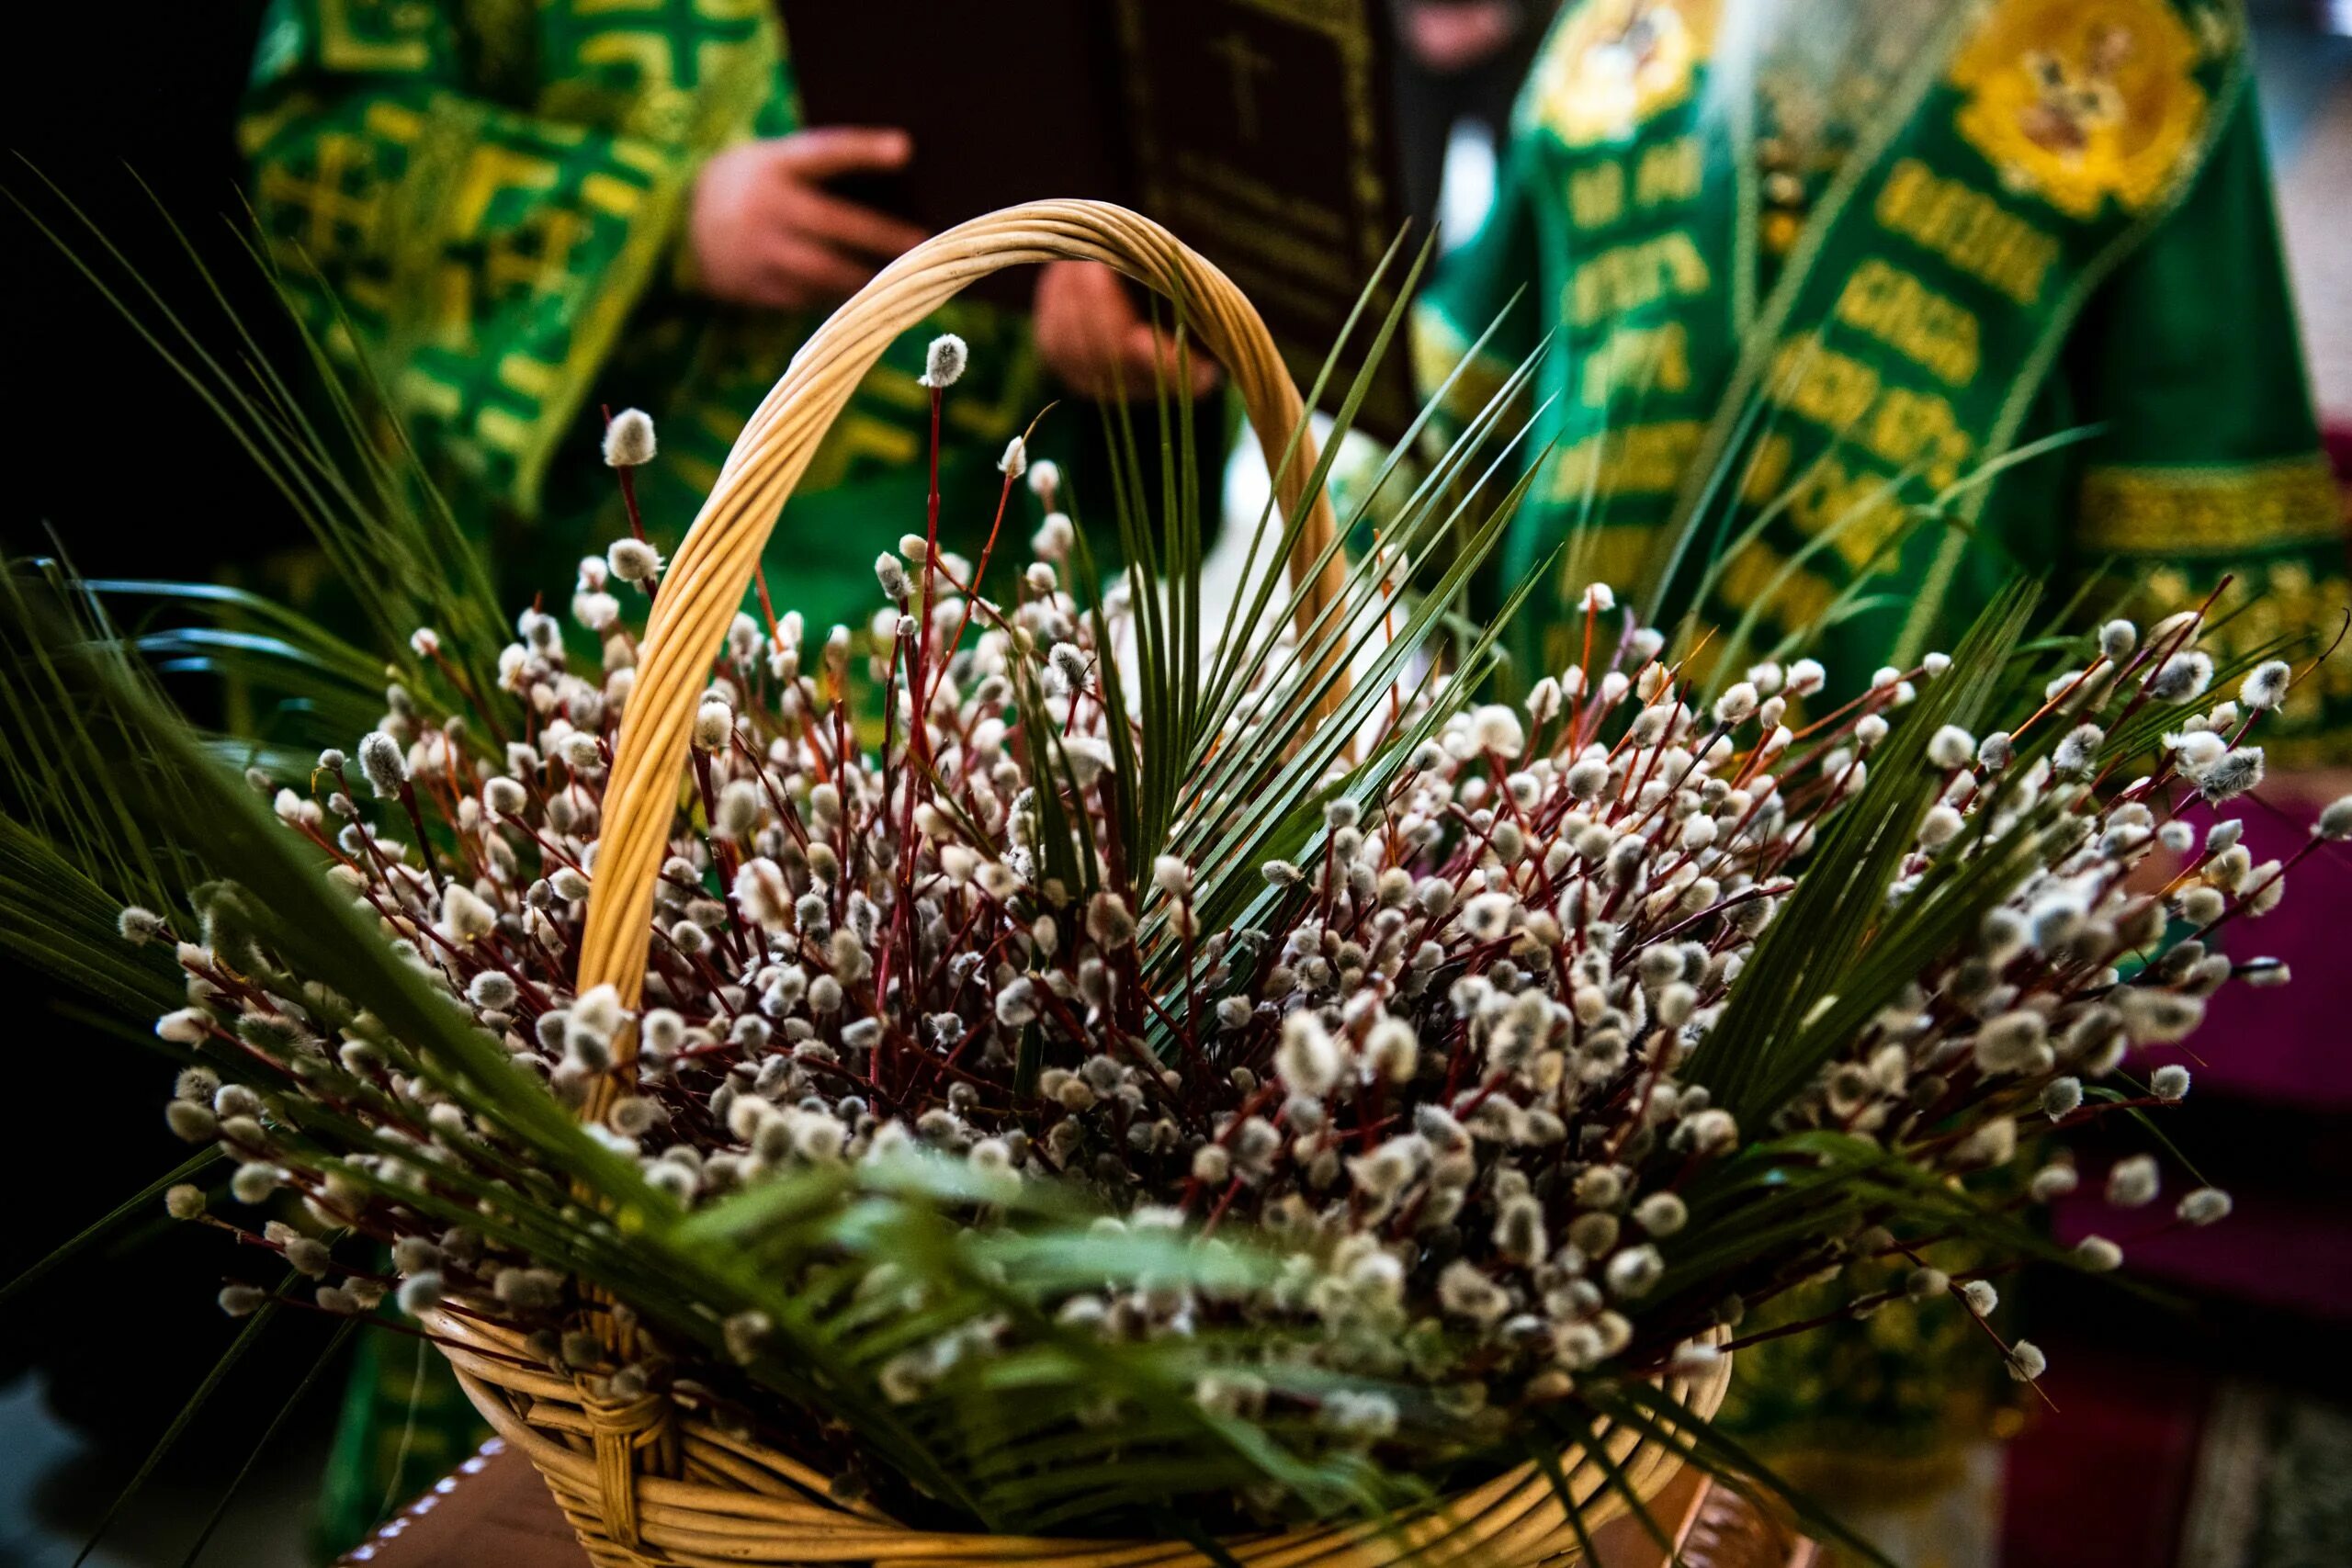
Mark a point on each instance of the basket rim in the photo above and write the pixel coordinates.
(795, 1511)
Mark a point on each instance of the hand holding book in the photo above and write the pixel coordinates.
(1093, 339)
(765, 231)
(1260, 132)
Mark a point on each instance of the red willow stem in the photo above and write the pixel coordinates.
(464, 689)
(916, 735)
(979, 574)
(628, 491)
(767, 607)
(739, 940)
(423, 843)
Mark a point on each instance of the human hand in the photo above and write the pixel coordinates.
(764, 230)
(1452, 38)
(1091, 335)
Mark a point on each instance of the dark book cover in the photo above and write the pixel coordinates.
(1260, 131)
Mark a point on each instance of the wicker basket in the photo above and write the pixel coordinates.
(727, 1502)
(647, 1486)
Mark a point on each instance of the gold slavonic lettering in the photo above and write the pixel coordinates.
(1752, 575)
(1967, 228)
(1768, 470)
(1860, 503)
(1631, 277)
(1907, 426)
(1668, 173)
(1887, 302)
(1597, 194)
(1639, 359)
(1830, 388)
(1912, 428)
(1637, 459)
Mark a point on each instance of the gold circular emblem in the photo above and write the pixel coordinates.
(2075, 101)
(1611, 65)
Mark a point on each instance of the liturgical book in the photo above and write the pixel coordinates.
(1260, 131)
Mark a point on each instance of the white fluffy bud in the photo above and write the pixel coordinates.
(628, 439)
(943, 363)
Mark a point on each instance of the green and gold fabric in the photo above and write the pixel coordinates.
(1898, 298)
(484, 199)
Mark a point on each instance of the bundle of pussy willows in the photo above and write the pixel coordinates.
(1328, 1146)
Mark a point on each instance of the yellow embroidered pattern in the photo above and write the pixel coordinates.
(1613, 64)
(2210, 510)
(2076, 101)
(2282, 608)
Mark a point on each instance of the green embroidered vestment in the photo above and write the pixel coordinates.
(1810, 268)
(484, 199)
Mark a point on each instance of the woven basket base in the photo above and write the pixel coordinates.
(736, 1503)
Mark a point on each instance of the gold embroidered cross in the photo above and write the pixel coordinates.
(1245, 63)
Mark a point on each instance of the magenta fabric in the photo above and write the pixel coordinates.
(2274, 1250)
(2288, 1045)
(2101, 1480)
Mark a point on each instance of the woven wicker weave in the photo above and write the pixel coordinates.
(730, 1502)
(646, 1485)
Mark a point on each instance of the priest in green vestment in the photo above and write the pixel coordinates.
(516, 213)
(1858, 308)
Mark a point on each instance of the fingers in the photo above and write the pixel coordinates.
(1137, 365)
(806, 246)
(1085, 329)
(804, 272)
(823, 151)
(765, 236)
(1144, 360)
(809, 211)
(1091, 335)
(1081, 316)
(1133, 364)
(1150, 360)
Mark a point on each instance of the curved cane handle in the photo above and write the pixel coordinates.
(705, 581)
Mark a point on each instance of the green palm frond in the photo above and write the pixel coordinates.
(140, 1205)
(329, 1359)
(55, 752)
(806, 1290)
(214, 1381)
(54, 918)
(1830, 957)
(373, 513)
(636, 1243)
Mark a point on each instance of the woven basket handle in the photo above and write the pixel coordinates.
(707, 579)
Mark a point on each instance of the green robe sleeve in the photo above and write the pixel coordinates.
(2209, 463)
(472, 198)
(1484, 284)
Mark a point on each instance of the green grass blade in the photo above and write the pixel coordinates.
(140, 1204)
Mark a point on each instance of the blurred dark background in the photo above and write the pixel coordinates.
(123, 462)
